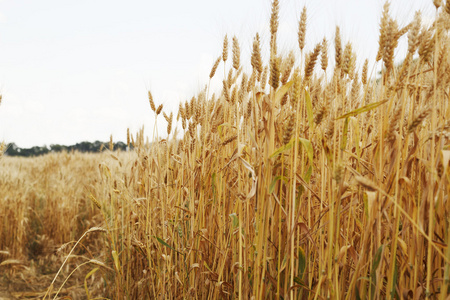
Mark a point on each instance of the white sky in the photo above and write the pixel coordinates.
(73, 71)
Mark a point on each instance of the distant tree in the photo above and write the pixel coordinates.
(58, 148)
(13, 150)
(120, 146)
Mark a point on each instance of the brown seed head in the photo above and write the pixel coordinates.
(394, 122)
(264, 77)
(242, 89)
(274, 17)
(354, 93)
(192, 148)
(441, 62)
(413, 35)
(321, 114)
(225, 49)
(256, 59)
(390, 43)
(364, 72)
(383, 30)
(329, 133)
(274, 72)
(169, 123)
(236, 53)
(288, 129)
(288, 64)
(296, 89)
(351, 71)
(198, 109)
(244, 82)
(230, 78)
(347, 58)
(248, 112)
(225, 91)
(251, 82)
(284, 100)
(181, 111)
(274, 27)
(426, 46)
(191, 129)
(338, 47)
(234, 95)
(150, 99)
(159, 109)
(192, 107)
(324, 58)
(302, 29)
(419, 119)
(214, 68)
(187, 110)
(309, 67)
(229, 140)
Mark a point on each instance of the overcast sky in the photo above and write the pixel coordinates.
(73, 71)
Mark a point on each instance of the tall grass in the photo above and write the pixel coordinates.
(296, 181)
(42, 207)
(328, 183)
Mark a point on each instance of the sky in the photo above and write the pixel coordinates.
(73, 71)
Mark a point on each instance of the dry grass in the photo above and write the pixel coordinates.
(314, 187)
(45, 205)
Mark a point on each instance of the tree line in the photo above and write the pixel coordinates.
(97, 146)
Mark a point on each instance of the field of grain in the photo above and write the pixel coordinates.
(306, 177)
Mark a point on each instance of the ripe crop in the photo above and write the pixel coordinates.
(302, 178)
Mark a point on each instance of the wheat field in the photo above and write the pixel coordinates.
(304, 177)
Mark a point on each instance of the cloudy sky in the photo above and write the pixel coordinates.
(73, 71)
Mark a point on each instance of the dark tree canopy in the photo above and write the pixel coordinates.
(13, 150)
